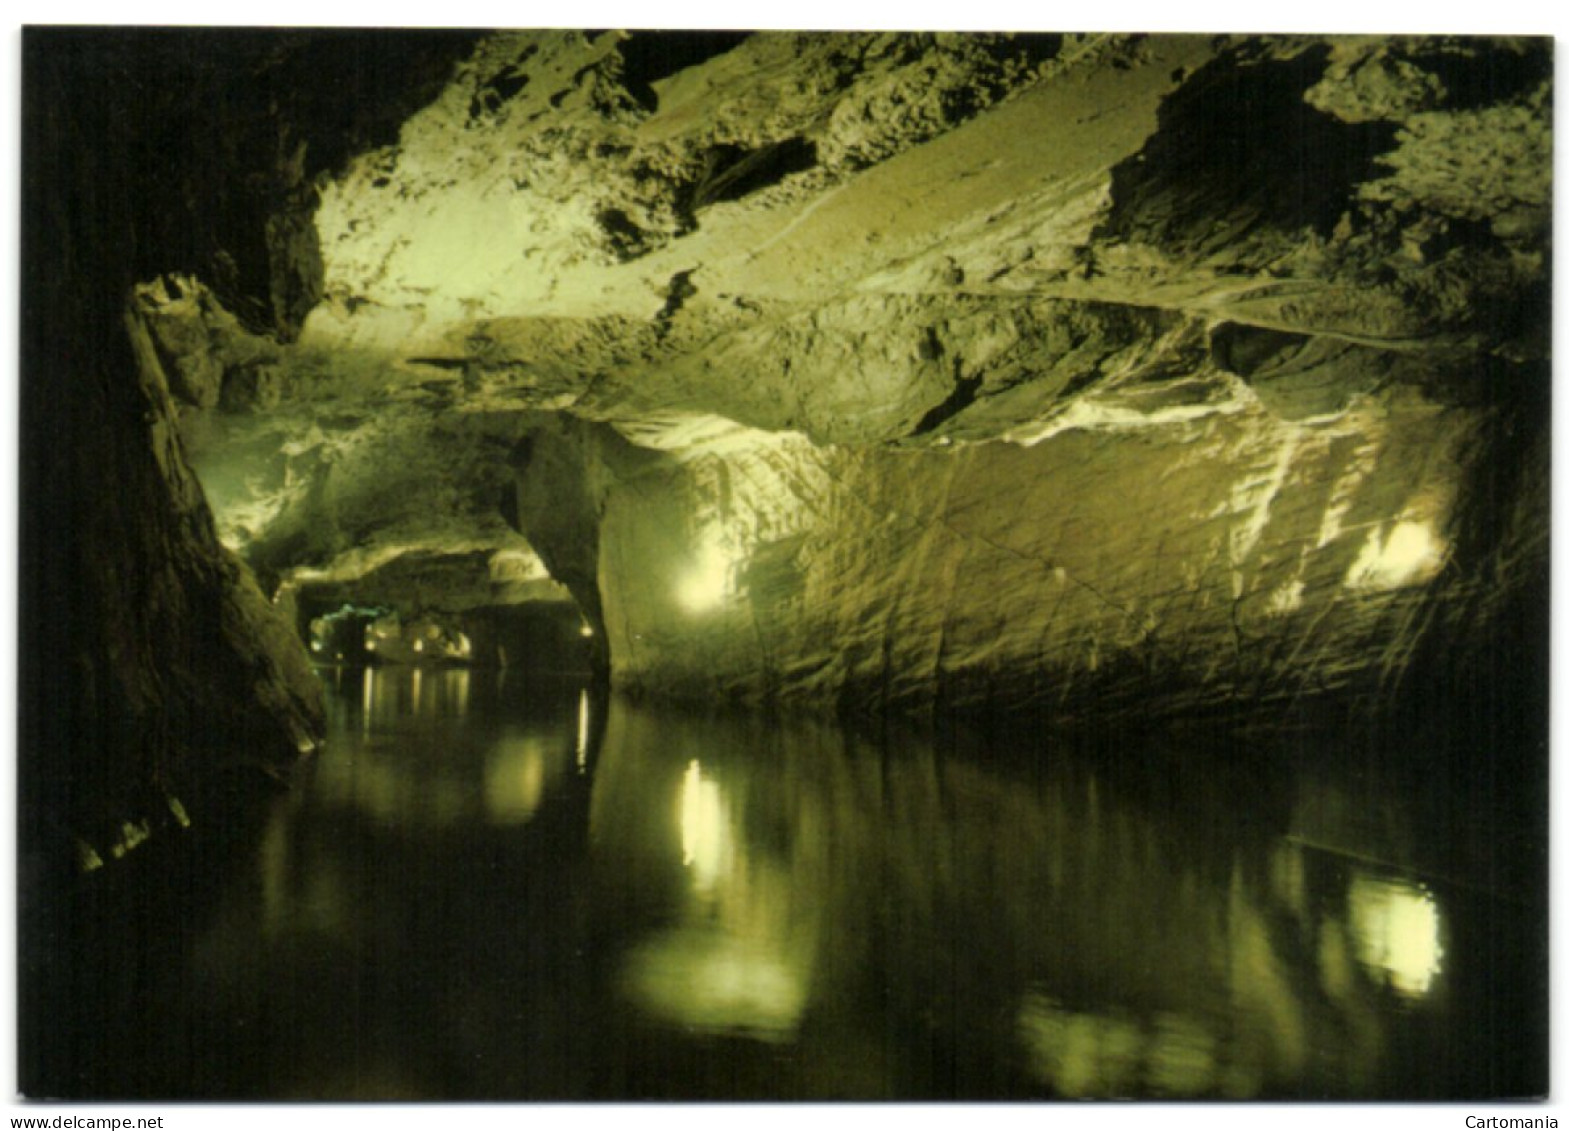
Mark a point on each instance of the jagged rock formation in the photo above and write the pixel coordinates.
(1078, 373)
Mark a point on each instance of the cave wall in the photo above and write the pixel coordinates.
(1109, 377)
(1075, 373)
(153, 661)
(1216, 394)
(1223, 561)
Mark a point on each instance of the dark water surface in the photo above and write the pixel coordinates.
(495, 887)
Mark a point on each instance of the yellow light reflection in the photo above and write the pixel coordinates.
(1410, 554)
(1084, 1053)
(708, 980)
(582, 732)
(704, 843)
(367, 698)
(1397, 930)
(1080, 1054)
(515, 780)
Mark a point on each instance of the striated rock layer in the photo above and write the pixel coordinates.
(1218, 558)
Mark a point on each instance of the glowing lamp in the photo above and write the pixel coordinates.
(708, 583)
(1409, 554)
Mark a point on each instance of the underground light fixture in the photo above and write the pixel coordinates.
(707, 585)
(1411, 553)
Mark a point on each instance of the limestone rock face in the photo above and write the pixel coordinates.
(1218, 556)
(160, 683)
(178, 680)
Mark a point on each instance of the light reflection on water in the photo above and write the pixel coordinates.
(1054, 924)
(498, 773)
(1397, 927)
(497, 889)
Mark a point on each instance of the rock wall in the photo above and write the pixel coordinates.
(1199, 411)
(155, 672)
(1211, 557)
(154, 666)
